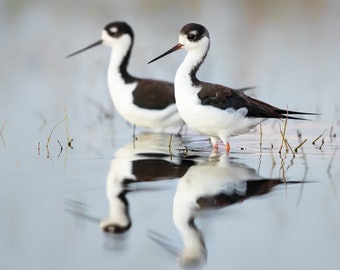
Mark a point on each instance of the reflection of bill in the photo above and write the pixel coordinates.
(148, 159)
(213, 184)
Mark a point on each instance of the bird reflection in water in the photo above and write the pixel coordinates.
(147, 159)
(216, 183)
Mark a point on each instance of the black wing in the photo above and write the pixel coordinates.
(153, 94)
(224, 97)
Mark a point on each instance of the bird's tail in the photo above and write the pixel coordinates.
(287, 113)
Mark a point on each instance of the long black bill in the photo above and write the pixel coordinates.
(173, 49)
(99, 42)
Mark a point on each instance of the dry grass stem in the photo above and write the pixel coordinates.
(69, 140)
(260, 162)
(290, 148)
(169, 145)
(322, 143)
(283, 134)
(317, 138)
(296, 148)
(56, 125)
(49, 137)
(284, 141)
(61, 148)
(170, 141)
(280, 149)
(282, 169)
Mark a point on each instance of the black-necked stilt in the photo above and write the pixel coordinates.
(142, 102)
(215, 110)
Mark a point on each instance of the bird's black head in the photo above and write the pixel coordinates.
(112, 34)
(117, 29)
(194, 32)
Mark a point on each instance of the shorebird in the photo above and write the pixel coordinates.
(142, 102)
(212, 109)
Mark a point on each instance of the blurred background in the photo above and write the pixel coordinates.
(288, 49)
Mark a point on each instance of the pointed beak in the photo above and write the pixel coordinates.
(99, 42)
(173, 49)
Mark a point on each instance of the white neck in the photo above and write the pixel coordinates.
(183, 77)
(120, 48)
(116, 59)
(191, 63)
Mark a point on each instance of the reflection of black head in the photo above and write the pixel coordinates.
(192, 225)
(113, 228)
(195, 253)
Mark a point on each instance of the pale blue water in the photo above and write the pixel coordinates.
(52, 209)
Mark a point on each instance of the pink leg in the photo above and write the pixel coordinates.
(227, 147)
(214, 142)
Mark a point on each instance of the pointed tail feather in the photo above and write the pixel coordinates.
(294, 118)
(286, 114)
(296, 112)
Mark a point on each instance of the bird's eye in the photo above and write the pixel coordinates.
(191, 36)
(113, 31)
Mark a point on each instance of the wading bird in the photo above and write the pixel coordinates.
(212, 109)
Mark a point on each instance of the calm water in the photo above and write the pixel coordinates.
(170, 207)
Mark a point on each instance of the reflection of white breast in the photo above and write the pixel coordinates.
(208, 179)
(205, 179)
(211, 178)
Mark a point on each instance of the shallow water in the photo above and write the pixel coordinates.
(171, 208)
(178, 206)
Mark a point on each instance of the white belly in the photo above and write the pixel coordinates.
(210, 120)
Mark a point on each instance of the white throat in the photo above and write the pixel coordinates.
(120, 47)
(195, 56)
